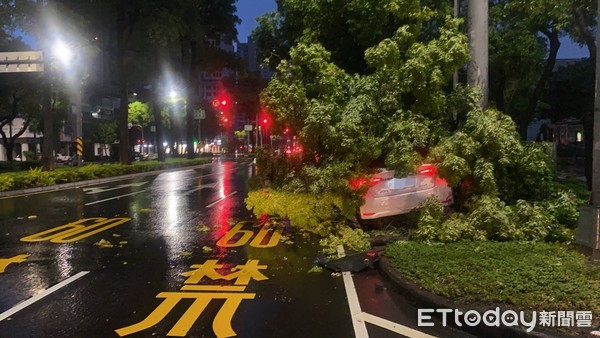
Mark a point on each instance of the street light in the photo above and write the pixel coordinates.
(62, 53)
(65, 54)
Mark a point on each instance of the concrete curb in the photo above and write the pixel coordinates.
(424, 299)
(75, 185)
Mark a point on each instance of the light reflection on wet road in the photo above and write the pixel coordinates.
(176, 219)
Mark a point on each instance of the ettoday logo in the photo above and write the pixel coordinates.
(497, 318)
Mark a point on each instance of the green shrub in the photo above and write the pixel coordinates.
(65, 176)
(489, 214)
(30, 156)
(353, 240)
(307, 211)
(37, 178)
(6, 182)
(487, 157)
(432, 225)
(564, 207)
(488, 218)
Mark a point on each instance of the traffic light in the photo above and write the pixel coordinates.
(224, 103)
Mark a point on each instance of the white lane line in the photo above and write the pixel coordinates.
(116, 197)
(186, 193)
(360, 328)
(26, 303)
(394, 327)
(220, 199)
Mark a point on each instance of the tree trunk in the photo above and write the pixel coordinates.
(156, 112)
(190, 101)
(124, 151)
(477, 70)
(122, 31)
(527, 115)
(48, 159)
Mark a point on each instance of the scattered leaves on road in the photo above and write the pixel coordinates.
(203, 227)
(207, 249)
(315, 269)
(116, 235)
(146, 210)
(185, 253)
(104, 244)
(32, 217)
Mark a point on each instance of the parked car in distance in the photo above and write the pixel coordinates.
(390, 196)
(60, 158)
(137, 156)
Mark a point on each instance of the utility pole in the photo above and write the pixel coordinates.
(588, 231)
(478, 48)
(48, 160)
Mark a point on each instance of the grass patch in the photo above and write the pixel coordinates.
(527, 275)
(577, 186)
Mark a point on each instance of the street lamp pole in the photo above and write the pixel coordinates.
(48, 160)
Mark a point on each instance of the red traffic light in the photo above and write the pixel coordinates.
(224, 102)
(265, 121)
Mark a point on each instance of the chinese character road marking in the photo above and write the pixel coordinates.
(221, 324)
(236, 237)
(4, 262)
(241, 273)
(76, 230)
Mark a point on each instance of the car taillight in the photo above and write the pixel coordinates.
(427, 169)
(374, 181)
(357, 183)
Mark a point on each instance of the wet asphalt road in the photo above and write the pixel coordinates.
(176, 254)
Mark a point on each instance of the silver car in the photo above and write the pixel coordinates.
(389, 196)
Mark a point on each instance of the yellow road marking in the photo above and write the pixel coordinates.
(4, 262)
(75, 231)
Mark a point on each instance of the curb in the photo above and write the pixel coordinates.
(421, 298)
(75, 185)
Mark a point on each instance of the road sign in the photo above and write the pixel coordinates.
(79, 146)
(153, 129)
(199, 114)
(21, 62)
(248, 127)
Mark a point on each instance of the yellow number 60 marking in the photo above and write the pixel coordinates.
(76, 230)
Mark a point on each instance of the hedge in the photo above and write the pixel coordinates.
(35, 177)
